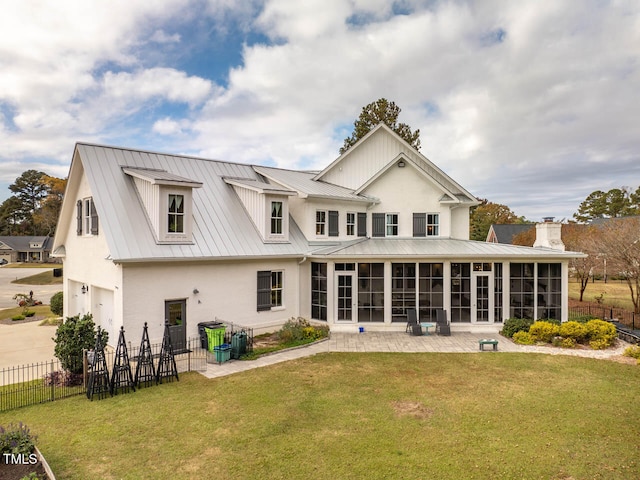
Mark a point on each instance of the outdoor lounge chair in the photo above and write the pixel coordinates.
(413, 327)
(442, 323)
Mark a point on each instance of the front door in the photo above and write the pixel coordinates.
(481, 298)
(345, 296)
(175, 312)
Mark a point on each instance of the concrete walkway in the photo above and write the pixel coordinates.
(458, 342)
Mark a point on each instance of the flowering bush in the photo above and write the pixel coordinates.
(543, 331)
(573, 329)
(16, 439)
(523, 338)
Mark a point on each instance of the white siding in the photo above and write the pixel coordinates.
(150, 199)
(227, 290)
(365, 161)
(254, 203)
(406, 191)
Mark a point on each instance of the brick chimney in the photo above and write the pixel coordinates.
(549, 235)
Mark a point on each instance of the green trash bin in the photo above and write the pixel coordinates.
(215, 337)
(238, 344)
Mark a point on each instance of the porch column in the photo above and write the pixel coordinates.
(388, 286)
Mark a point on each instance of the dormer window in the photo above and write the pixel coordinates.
(276, 218)
(176, 213)
(168, 201)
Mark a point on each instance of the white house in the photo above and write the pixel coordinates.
(148, 236)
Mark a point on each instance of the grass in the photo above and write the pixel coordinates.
(616, 293)
(33, 265)
(41, 311)
(44, 278)
(352, 416)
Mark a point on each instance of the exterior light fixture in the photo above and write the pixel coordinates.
(401, 164)
(196, 291)
(84, 289)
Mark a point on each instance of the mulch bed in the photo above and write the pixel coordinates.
(8, 321)
(16, 472)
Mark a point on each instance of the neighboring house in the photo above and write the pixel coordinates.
(25, 249)
(504, 233)
(148, 236)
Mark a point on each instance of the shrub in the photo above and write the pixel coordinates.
(583, 318)
(513, 325)
(633, 351)
(568, 342)
(16, 439)
(61, 378)
(74, 335)
(56, 303)
(599, 344)
(523, 338)
(600, 332)
(573, 329)
(543, 331)
(30, 313)
(300, 330)
(16, 318)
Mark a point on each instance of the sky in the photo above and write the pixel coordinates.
(533, 104)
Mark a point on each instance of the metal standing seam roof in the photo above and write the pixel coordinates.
(304, 183)
(221, 226)
(438, 248)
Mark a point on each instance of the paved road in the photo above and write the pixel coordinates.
(8, 289)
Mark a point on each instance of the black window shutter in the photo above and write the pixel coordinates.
(94, 218)
(333, 223)
(419, 224)
(264, 290)
(362, 224)
(79, 217)
(378, 224)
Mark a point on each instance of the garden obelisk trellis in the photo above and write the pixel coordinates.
(121, 376)
(167, 365)
(99, 374)
(145, 371)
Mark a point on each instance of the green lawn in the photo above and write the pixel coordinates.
(354, 416)
(44, 278)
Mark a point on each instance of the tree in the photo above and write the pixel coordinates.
(45, 218)
(617, 202)
(486, 214)
(620, 243)
(11, 216)
(380, 111)
(35, 206)
(585, 239)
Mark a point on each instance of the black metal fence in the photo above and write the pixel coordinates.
(620, 315)
(47, 381)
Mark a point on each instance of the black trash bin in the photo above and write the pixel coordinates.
(204, 339)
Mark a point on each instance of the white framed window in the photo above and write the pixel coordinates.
(270, 289)
(175, 219)
(351, 223)
(276, 218)
(276, 288)
(392, 224)
(433, 224)
(321, 222)
(87, 217)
